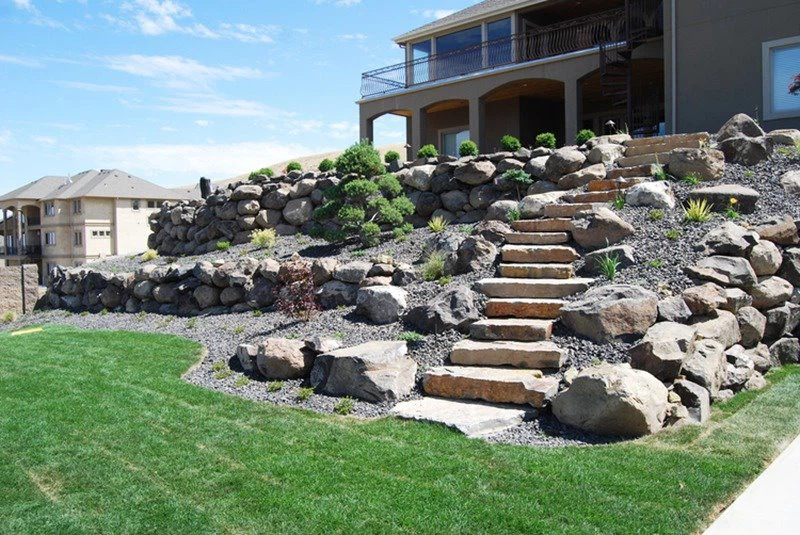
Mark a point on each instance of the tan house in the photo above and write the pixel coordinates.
(524, 67)
(69, 221)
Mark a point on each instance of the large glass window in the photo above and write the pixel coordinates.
(498, 34)
(782, 78)
(451, 62)
(421, 51)
(452, 140)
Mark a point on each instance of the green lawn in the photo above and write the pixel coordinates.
(98, 433)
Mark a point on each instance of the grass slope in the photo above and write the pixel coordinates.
(98, 433)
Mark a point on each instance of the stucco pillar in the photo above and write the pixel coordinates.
(571, 107)
(5, 232)
(409, 137)
(367, 129)
(418, 130)
(477, 116)
(18, 229)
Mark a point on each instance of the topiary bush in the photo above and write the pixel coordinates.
(266, 171)
(427, 151)
(294, 166)
(546, 140)
(360, 159)
(391, 156)
(468, 148)
(510, 143)
(584, 136)
(326, 165)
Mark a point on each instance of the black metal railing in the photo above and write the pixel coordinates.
(578, 34)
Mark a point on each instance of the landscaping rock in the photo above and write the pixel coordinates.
(785, 351)
(655, 194)
(320, 344)
(499, 210)
(719, 197)
(608, 312)
(724, 270)
(729, 239)
(752, 324)
(381, 304)
(781, 321)
(613, 400)
(790, 181)
(533, 205)
(562, 162)
(582, 177)
(740, 124)
(450, 310)
(473, 418)
(673, 309)
(537, 167)
(708, 164)
(787, 137)
(352, 272)
(419, 177)
(473, 254)
(706, 365)
(771, 292)
(790, 266)
(246, 355)
(475, 173)
(376, 372)
(695, 398)
(298, 211)
(605, 153)
(662, 350)
(492, 231)
(756, 382)
(623, 254)
(779, 230)
(765, 258)
(720, 326)
(427, 203)
(736, 299)
(335, 293)
(454, 200)
(599, 228)
(206, 296)
(280, 359)
(746, 150)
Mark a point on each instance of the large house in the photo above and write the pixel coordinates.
(69, 221)
(524, 67)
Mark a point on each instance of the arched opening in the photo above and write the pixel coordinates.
(389, 131)
(524, 109)
(446, 125)
(600, 104)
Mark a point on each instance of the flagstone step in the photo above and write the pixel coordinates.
(592, 196)
(543, 225)
(537, 238)
(541, 254)
(647, 170)
(537, 271)
(524, 308)
(536, 355)
(532, 288)
(644, 159)
(566, 210)
(665, 145)
(613, 185)
(520, 330)
(496, 385)
(475, 419)
(674, 139)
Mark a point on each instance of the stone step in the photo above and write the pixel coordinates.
(566, 210)
(613, 185)
(473, 418)
(543, 225)
(535, 355)
(520, 330)
(537, 271)
(674, 139)
(660, 148)
(532, 288)
(524, 308)
(537, 238)
(495, 385)
(661, 158)
(648, 170)
(592, 196)
(540, 254)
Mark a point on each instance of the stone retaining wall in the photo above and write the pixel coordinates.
(19, 289)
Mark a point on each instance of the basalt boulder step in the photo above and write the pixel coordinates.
(520, 330)
(473, 418)
(524, 308)
(673, 139)
(647, 170)
(613, 185)
(592, 196)
(495, 385)
(532, 288)
(561, 224)
(535, 355)
(537, 238)
(644, 159)
(566, 210)
(541, 254)
(537, 271)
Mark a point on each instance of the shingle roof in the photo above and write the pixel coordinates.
(476, 11)
(36, 189)
(112, 183)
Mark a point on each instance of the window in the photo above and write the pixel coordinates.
(421, 70)
(154, 204)
(781, 72)
(49, 238)
(101, 234)
(78, 239)
(499, 52)
(136, 204)
(76, 206)
(50, 209)
(455, 63)
(451, 140)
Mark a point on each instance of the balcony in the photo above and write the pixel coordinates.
(585, 33)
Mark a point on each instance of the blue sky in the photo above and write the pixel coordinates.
(171, 90)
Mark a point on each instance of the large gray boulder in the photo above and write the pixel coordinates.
(623, 253)
(779, 230)
(298, 211)
(720, 326)
(381, 304)
(729, 239)
(599, 228)
(450, 310)
(695, 398)
(475, 173)
(376, 372)
(419, 177)
(771, 292)
(740, 124)
(719, 197)
(582, 177)
(752, 325)
(562, 162)
(655, 194)
(662, 350)
(247, 192)
(765, 258)
(708, 164)
(335, 293)
(280, 358)
(706, 365)
(473, 254)
(790, 181)
(608, 312)
(746, 150)
(785, 351)
(790, 266)
(613, 400)
(725, 271)
(704, 299)
(673, 309)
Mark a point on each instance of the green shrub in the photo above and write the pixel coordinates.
(275, 386)
(148, 255)
(264, 171)
(294, 166)
(370, 234)
(672, 234)
(344, 406)
(389, 186)
(438, 224)
(608, 265)
(410, 336)
(360, 189)
(656, 214)
(510, 143)
(223, 245)
(697, 211)
(546, 140)
(305, 393)
(360, 159)
(264, 238)
(619, 201)
(391, 156)
(427, 151)
(518, 177)
(513, 215)
(433, 269)
(584, 136)
(326, 165)
(468, 148)
(692, 179)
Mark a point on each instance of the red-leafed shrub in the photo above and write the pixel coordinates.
(296, 297)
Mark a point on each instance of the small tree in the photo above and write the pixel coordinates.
(518, 177)
(468, 148)
(326, 165)
(510, 143)
(794, 86)
(546, 140)
(296, 296)
(360, 159)
(427, 151)
(584, 136)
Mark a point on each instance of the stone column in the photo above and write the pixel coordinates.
(409, 137)
(571, 106)
(18, 230)
(477, 115)
(418, 130)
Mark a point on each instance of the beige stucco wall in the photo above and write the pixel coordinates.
(132, 228)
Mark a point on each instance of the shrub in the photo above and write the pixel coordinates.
(584, 136)
(656, 214)
(294, 166)
(264, 171)
(359, 190)
(296, 297)
(360, 159)
(344, 406)
(656, 263)
(264, 238)
(608, 265)
(438, 224)
(468, 148)
(241, 382)
(305, 393)
(672, 234)
(546, 140)
(326, 165)
(8, 317)
(148, 255)
(275, 386)
(410, 336)
(223, 245)
(370, 234)
(518, 177)
(697, 211)
(391, 156)
(389, 186)
(513, 215)
(510, 143)
(619, 201)
(692, 179)
(433, 268)
(427, 151)
(661, 173)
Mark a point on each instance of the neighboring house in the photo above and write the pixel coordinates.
(69, 221)
(523, 67)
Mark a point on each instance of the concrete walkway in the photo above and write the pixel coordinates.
(769, 504)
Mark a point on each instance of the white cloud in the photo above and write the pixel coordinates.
(44, 140)
(36, 16)
(353, 37)
(26, 5)
(210, 104)
(168, 129)
(17, 60)
(95, 88)
(203, 123)
(433, 13)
